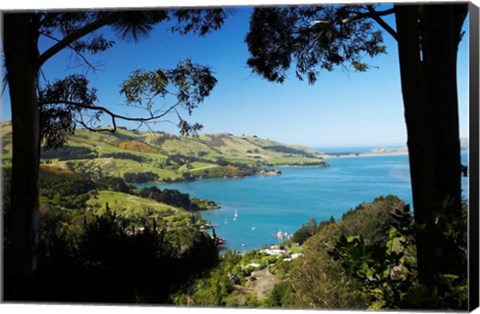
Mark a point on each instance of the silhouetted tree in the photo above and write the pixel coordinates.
(325, 37)
(48, 113)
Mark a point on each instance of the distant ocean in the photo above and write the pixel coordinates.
(356, 149)
(258, 207)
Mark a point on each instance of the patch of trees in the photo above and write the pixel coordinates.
(65, 189)
(113, 184)
(65, 182)
(170, 197)
(201, 154)
(216, 286)
(227, 171)
(222, 161)
(141, 177)
(180, 159)
(161, 137)
(104, 263)
(216, 140)
(368, 260)
(287, 150)
(122, 136)
(69, 152)
(167, 196)
(314, 38)
(309, 229)
(45, 111)
(123, 155)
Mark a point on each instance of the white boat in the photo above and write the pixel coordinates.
(280, 234)
(235, 215)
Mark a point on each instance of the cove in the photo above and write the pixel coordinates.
(256, 208)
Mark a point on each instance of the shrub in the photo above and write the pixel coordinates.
(142, 177)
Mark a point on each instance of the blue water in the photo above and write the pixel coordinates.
(268, 204)
(356, 149)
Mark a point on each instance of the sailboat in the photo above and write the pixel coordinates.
(235, 215)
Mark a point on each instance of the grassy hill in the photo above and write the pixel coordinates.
(168, 157)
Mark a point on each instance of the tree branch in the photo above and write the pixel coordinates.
(370, 14)
(69, 39)
(110, 113)
(91, 66)
(375, 15)
(112, 130)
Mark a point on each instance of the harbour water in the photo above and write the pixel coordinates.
(256, 208)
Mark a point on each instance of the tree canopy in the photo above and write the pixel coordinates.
(313, 38)
(323, 37)
(44, 111)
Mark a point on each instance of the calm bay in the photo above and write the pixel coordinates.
(256, 208)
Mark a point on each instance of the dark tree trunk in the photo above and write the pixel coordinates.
(428, 38)
(21, 55)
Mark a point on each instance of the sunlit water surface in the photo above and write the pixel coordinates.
(258, 207)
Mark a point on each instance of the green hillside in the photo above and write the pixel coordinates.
(158, 156)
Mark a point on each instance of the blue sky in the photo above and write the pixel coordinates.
(342, 109)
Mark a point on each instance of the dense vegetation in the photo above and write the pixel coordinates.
(146, 248)
(106, 263)
(365, 260)
(124, 155)
(69, 152)
(104, 232)
(142, 177)
(98, 229)
(288, 150)
(176, 198)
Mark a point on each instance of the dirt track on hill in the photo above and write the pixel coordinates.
(264, 283)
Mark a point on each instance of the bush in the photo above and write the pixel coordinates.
(170, 197)
(105, 264)
(124, 156)
(142, 177)
(305, 231)
(113, 184)
(69, 152)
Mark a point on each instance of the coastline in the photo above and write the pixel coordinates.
(366, 155)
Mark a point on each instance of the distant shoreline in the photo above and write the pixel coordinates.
(394, 152)
(369, 154)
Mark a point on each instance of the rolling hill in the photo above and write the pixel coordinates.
(157, 156)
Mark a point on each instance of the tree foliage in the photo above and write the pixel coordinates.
(104, 263)
(388, 271)
(66, 102)
(305, 231)
(44, 112)
(170, 197)
(68, 153)
(311, 37)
